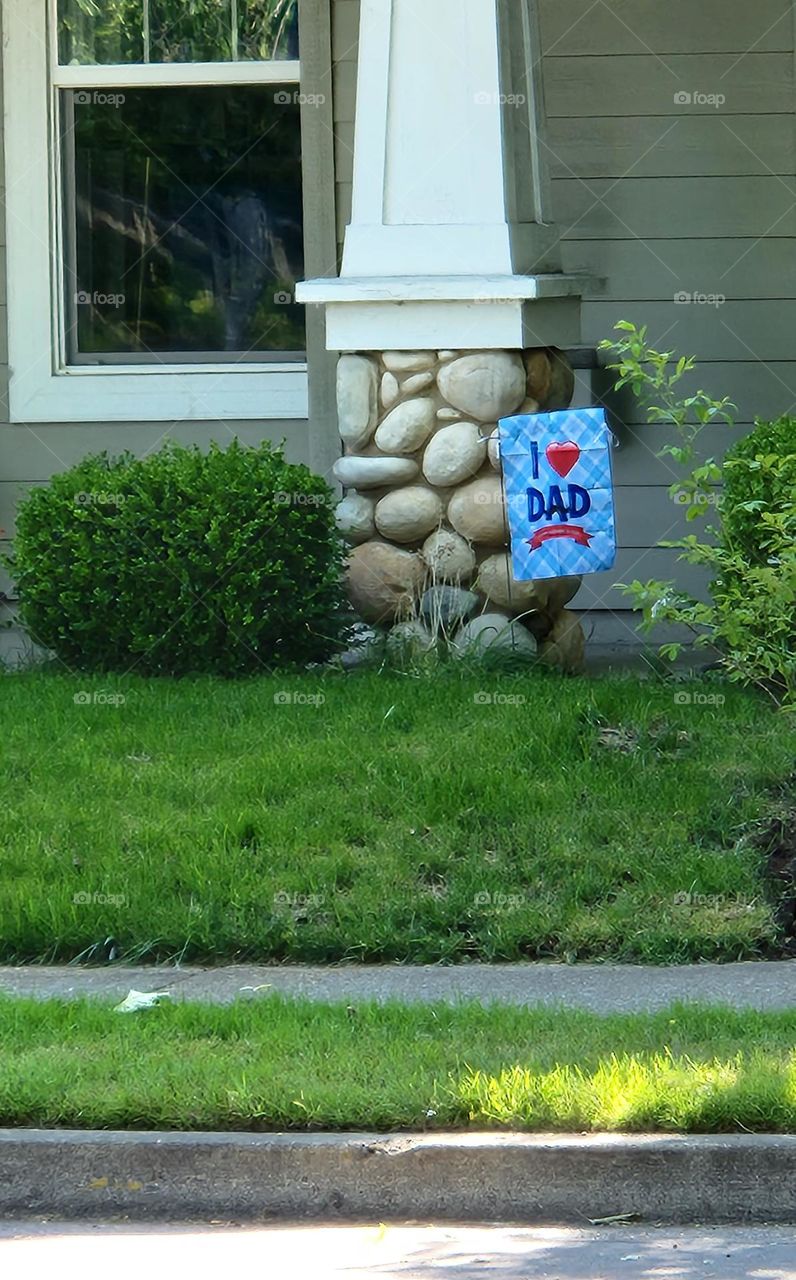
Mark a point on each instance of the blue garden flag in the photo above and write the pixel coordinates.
(559, 493)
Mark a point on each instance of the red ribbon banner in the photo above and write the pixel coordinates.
(574, 531)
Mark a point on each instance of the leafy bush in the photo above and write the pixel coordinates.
(755, 482)
(750, 621)
(181, 562)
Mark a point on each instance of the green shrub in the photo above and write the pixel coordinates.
(750, 621)
(224, 562)
(755, 483)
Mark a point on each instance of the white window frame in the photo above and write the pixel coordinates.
(43, 388)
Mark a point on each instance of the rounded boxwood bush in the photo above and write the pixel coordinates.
(745, 481)
(225, 562)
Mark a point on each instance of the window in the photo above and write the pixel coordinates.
(154, 210)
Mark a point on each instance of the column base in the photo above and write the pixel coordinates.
(424, 510)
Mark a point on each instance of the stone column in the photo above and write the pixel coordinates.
(450, 312)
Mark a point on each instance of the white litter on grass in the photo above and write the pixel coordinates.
(135, 1000)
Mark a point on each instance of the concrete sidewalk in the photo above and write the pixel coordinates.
(598, 988)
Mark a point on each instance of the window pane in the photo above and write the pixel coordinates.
(183, 222)
(267, 29)
(190, 30)
(100, 31)
(124, 31)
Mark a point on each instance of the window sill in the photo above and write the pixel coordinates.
(140, 395)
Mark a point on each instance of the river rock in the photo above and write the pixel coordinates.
(407, 640)
(408, 514)
(374, 473)
(539, 374)
(498, 584)
(493, 451)
(357, 399)
(565, 645)
(407, 426)
(389, 390)
(408, 361)
(449, 557)
(477, 511)
(417, 382)
(562, 382)
(494, 634)
(383, 581)
(354, 517)
(447, 607)
(486, 386)
(561, 591)
(454, 454)
(446, 414)
(447, 355)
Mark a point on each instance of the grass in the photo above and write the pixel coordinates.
(273, 1064)
(388, 818)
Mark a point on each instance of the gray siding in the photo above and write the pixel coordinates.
(652, 197)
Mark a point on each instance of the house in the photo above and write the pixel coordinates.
(440, 174)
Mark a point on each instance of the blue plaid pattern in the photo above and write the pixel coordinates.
(527, 468)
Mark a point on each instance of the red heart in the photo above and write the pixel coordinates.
(562, 457)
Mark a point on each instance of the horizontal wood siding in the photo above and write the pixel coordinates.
(678, 26)
(656, 197)
(653, 198)
(648, 85)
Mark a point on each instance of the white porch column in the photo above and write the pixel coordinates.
(450, 310)
(447, 199)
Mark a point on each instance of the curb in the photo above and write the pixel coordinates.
(472, 1177)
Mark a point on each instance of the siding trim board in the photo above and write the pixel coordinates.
(574, 28)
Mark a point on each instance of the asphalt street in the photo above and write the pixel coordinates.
(402, 1252)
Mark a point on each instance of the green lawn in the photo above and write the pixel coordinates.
(388, 817)
(274, 1064)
